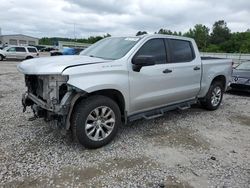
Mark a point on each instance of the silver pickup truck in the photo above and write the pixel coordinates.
(121, 79)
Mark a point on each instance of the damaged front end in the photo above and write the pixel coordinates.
(49, 96)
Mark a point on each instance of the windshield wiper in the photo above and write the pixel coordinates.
(95, 56)
(101, 57)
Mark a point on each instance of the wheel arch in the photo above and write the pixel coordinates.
(3, 57)
(113, 94)
(29, 57)
(221, 79)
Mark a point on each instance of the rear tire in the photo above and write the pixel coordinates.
(214, 96)
(95, 121)
(29, 57)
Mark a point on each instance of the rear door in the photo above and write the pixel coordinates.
(21, 53)
(186, 70)
(33, 51)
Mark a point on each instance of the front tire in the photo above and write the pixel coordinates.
(1, 58)
(95, 121)
(214, 96)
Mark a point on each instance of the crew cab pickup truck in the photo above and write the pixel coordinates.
(121, 79)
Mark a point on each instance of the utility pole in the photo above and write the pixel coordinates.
(75, 33)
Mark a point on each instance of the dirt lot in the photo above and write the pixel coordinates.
(191, 148)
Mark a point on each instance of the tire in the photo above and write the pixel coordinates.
(213, 97)
(85, 121)
(1, 58)
(29, 57)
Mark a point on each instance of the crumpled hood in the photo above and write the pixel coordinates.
(55, 64)
(241, 73)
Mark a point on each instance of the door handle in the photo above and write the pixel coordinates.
(167, 71)
(197, 68)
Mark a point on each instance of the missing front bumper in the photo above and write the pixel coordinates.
(29, 99)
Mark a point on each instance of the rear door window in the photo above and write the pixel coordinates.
(20, 49)
(155, 48)
(181, 51)
(32, 50)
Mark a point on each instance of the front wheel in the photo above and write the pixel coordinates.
(214, 96)
(95, 121)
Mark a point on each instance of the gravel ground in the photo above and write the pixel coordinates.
(191, 148)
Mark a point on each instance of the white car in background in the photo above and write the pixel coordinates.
(18, 52)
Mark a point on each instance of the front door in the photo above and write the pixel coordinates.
(11, 53)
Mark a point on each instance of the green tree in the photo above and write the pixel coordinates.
(212, 48)
(169, 32)
(220, 32)
(165, 31)
(141, 33)
(200, 33)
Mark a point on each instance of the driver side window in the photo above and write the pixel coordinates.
(11, 49)
(155, 48)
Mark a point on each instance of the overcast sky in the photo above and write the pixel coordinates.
(118, 17)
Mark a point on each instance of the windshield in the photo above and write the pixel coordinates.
(6, 48)
(111, 48)
(244, 66)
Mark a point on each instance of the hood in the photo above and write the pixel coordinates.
(2, 52)
(55, 64)
(241, 73)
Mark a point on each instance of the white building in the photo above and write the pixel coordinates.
(18, 39)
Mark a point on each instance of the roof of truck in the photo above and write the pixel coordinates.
(157, 35)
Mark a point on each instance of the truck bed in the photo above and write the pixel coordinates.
(211, 67)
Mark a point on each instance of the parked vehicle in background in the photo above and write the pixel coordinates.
(55, 52)
(47, 49)
(121, 79)
(241, 77)
(39, 47)
(18, 52)
(66, 51)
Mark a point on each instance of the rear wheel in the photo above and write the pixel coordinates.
(214, 96)
(29, 57)
(95, 121)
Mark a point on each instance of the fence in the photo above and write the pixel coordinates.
(236, 57)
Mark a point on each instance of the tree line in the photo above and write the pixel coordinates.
(218, 39)
(53, 41)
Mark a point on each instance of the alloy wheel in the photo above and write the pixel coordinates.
(216, 96)
(100, 123)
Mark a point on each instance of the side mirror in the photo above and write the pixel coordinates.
(141, 61)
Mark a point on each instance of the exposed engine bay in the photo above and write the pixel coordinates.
(48, 95)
